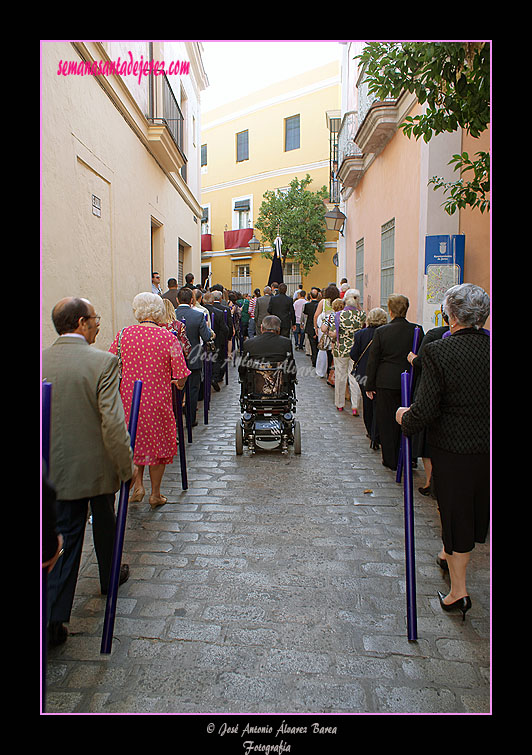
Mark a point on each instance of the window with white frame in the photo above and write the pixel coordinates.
(242, 271)
(291, 133)
(206, 220)
(242, 213)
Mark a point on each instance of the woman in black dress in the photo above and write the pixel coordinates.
(453, 402)
(359, 354)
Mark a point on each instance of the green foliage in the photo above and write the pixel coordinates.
(452, 80)
(298, 215)
(467, 193)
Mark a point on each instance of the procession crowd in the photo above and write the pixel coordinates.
(360, 354)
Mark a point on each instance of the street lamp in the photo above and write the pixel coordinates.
(254, 243)
(335, 219)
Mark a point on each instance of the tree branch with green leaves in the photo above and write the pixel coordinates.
(452, 80)
(299, 216)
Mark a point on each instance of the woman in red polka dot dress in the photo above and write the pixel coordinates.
(151, 353)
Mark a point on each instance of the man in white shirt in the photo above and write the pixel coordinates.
(299, 334)
(156, 284)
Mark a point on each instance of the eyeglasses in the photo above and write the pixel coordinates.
(94, 317)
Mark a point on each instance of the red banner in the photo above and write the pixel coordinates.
(206, 242)
(237, 239)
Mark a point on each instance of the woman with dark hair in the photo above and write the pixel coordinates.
(387, 360)
(359, 354)
(453, 402)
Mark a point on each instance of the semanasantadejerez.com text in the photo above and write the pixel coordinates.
(122, 68)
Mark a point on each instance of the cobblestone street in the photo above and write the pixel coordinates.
(276, 585)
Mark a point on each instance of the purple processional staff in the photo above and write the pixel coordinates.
(276, 270)
(207, 373)
(177, 404)
(406, 392)
(226, 353)
(112, 595)
(46, 422)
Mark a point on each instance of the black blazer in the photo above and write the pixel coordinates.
(388, 354)
(283, 306)
(267, 347)
(223, 307)
(197, 332)
(221, 330)
(453, 398)
(310, 310)
(359, 352)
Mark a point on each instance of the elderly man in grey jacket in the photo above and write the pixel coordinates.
(261, 308)
(90, 451)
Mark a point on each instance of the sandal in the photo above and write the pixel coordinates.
(157, 501)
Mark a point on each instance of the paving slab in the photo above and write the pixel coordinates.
(275, 586)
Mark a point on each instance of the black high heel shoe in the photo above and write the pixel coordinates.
(462, 604)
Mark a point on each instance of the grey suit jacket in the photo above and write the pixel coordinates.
(261, 310)
(90, 447)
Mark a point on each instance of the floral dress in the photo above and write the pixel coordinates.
(153, 355)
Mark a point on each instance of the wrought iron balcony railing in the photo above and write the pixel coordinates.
(346, 136)
(350, 156)
(165, 110)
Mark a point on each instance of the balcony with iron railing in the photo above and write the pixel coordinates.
(377, 119)
(350, 156)
(241, 284)
(166, 126)
(366, 131)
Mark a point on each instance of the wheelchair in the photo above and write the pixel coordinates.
(268, 404)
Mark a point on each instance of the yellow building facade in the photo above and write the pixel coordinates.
(260, 143)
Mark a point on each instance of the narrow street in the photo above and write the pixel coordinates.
(276, 585)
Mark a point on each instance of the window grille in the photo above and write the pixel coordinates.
(387, 260)
(359, 277)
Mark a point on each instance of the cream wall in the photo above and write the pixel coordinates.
(89, 148)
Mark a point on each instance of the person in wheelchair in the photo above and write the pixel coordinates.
(267, 373)
(268, 348)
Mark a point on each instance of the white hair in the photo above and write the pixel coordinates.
(350, 300)
(148, 306)
(468, 304)
(354, 293)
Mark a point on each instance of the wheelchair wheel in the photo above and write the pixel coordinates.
(239, 439)
(297, 438)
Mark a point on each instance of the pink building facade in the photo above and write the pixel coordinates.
(393, 214)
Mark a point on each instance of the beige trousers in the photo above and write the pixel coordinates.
(342, 374)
